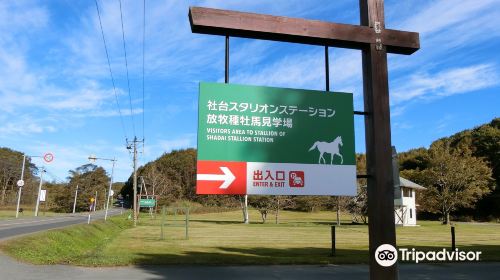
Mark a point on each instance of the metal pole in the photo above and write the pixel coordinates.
(327, 69)
(246, 209)
(20, 188)
(162, 222)
(187, 223)
(109, 191)
(95, 201)
(333, 241)
(453, 238)
(39, 191)
(226, 78)
(74, 202)
(135, 181)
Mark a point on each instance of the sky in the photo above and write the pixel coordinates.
(57, 95)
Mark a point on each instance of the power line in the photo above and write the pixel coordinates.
(110, 72)
(126, 66)
(143, 44)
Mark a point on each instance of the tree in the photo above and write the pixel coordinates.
(454, 178)
(173, 173)
(89, 178)
(413, 159)
(281, 202)
(358, 206)
(158, 181)
(338, 204)
(310, 203)
(10, 172)
(262, 203)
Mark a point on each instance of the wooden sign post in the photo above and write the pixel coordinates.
(375, 42)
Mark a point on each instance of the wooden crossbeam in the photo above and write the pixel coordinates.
(297, 30)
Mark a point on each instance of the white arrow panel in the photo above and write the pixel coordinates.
(227, 178)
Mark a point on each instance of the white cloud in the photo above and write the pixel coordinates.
(447, 82)
(441, 15)
(448, 31)
(24, 125)
(302, 71)
(183, 142)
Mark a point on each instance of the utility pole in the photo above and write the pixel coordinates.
(74, 203)
(92, 159)
(20, 184)
(133, 146)
(109, 191)
(39, 191)
(95, 201)
(135, 181)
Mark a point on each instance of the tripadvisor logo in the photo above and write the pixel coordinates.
(386, 255)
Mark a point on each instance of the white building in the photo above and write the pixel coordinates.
(404, 203)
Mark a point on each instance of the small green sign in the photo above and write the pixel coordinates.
(147, 202)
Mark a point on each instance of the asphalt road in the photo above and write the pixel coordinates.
(17, 227)
(12, 270)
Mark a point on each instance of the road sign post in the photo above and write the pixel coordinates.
(74, 202)
(39, 192)
(275, 141)
(20, 184)
(110, 191)
(374, 41)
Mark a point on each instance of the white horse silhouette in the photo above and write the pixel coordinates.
(331, 148)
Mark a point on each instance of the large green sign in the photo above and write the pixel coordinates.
(266, 125)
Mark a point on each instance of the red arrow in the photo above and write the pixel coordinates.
(221, 177)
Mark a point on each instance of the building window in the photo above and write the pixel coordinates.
(407, 192)
(411, 213)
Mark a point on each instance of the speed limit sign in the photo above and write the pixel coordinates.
(48, 157)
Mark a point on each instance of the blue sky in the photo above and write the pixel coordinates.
(56, 93)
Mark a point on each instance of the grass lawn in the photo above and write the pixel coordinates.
(220, 238)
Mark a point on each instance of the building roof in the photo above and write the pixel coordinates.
(409, 184)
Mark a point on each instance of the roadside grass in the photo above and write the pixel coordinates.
(221, 238)
(79, 244)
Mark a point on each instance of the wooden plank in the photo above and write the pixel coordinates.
(296, 30)
(381, 221)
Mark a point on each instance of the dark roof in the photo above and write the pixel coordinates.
(409, 184)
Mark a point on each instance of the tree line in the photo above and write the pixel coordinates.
(461, 174)
(60, 196)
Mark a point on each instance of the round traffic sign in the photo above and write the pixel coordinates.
(48, 157)
(20, 183)
(111, 193)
